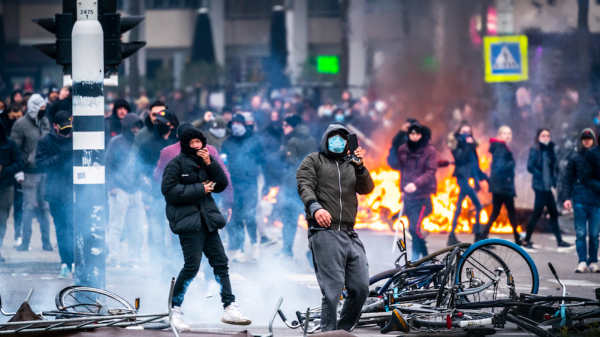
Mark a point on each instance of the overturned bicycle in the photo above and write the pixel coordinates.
(467, 288)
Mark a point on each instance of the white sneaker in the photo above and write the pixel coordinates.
(233, 315)
(593, 268)
(239, 256)
(178, 320)
(18, 242)
(255, 251)
(582, 268)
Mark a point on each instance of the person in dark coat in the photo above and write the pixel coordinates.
(417, 161)
(542, 165)
(63, 103)
(298, 145)
(9, 116)
(399, 139)
(187, 185)
(124, 195)
(11, 162)
(466, 167)
(585, 204)
(54, 156)
(502, 181)
(147, 159)
(245, 158)
(112, 123)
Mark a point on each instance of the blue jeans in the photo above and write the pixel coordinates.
(587, 215)
(466, 191)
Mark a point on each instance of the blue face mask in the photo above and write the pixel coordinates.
(336, 144)
(339, 118)
(238, 130)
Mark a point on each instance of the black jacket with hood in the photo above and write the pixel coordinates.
(573, 186)
(328, 181)
(119, 158)
(535, 165)
(463, 152)
(54, 156)
(188, 206)
(10, 159)
(112, 123)
(502, 176)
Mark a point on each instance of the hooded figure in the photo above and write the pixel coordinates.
(112, 123)
(11, 163)
(418, 165)
(585, 203)
(119, 161)
(328, 183)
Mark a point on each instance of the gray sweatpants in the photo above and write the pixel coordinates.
(340, 260)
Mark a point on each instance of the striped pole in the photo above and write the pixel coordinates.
(88, 146)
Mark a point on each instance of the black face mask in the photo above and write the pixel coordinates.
(161, 129)
(65, 132)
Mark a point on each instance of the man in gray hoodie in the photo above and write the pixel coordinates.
(26, 132)
(328, 182)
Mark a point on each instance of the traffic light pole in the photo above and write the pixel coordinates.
(88, 146)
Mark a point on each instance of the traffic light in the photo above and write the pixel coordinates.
(113, 26)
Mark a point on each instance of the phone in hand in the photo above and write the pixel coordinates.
(352, 146)
(213, 185)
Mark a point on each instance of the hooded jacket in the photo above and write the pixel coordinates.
(299, 145)
(188, 206)
(245, 156)
(464, 153)
(148, 156)
(112, 123)
(502, 176)
(28, 130)
(10, 159)
(535, 165)
(119, 158)
(329, 183)
(573, 187)
(418, 167)
(54, 157)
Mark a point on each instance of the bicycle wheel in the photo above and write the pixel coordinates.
(517, 262)
(447, 279)
(92, 301)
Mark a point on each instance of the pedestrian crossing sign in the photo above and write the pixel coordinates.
(506, 58)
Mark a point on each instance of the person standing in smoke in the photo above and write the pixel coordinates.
(27, 132)
(466, 167)
(148, 130)
(188, 183)
(112, 124)
(581, 198)
(328, 182)
(417, 161)
(11, 162)
(148, 156)
(245, 157)
(54, 157)
(502, 181)
(542, 165)
(299, 144)
(124, 195)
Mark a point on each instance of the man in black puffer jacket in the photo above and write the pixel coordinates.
(187, 184)
(11, 162)
(328, 184)
(54, 156)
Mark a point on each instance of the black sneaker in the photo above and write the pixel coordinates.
(452, 240)
(2, 259)
(480, 237)
(22, 247)
(396, 323)
(47, 247)
(564, 244)
(267, 241)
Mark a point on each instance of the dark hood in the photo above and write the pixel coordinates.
(425, 136)
(120, 103)
(128, 122)
(580, 145)
(3, 135)
(184, 140)
(331, 129)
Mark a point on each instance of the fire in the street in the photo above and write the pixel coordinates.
(272, 195)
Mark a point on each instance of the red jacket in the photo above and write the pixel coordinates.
(418, 168)
(172, 151)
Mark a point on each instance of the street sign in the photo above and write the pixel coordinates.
(506, 58)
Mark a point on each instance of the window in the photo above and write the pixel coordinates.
(173, 4)
(327, 8)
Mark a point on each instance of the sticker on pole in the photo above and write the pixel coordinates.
(506, 58)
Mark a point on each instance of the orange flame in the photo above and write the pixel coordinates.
(271, 197)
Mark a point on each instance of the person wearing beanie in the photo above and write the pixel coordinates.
(298, 144)
(124, 194)
(328, 183)
(217, 132)
(26, 132)
(244, 153)
(542, 165)
(54, 157)
(417, 161)
(188, 184)
(112, 123)
(11, 162)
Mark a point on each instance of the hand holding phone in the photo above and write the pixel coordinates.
(354, 150)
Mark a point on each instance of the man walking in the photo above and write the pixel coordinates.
(11, 162)
(27, 132)
(54, 157)
(124, 195)
(328, 183)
